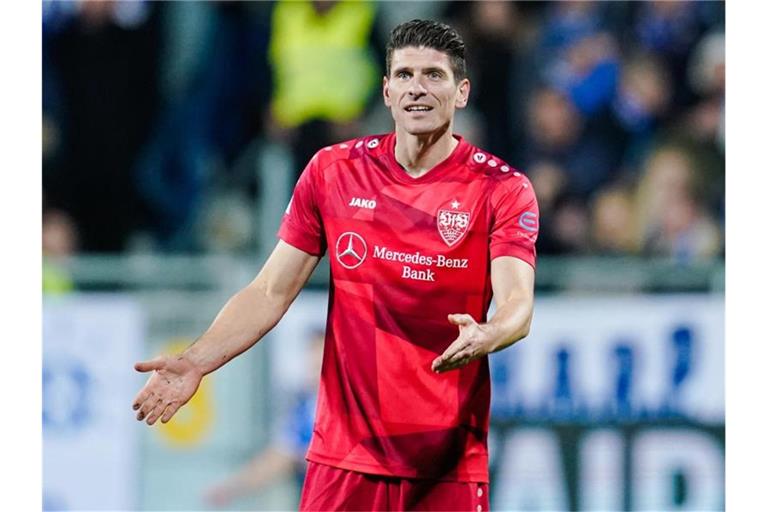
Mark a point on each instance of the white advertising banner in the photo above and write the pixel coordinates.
(617, 357)
(612, 404)
(89, 441)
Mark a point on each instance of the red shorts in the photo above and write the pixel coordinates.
(328, 488)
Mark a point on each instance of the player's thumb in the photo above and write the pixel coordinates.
(460, 319)
(148, 366)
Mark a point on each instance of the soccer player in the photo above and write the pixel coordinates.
(422, 229)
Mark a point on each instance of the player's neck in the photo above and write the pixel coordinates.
(418, 154)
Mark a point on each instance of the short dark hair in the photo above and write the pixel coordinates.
(429, 34)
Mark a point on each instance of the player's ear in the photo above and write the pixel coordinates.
(385, 92)
(462, 93)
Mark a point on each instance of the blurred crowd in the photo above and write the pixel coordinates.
(155, 114)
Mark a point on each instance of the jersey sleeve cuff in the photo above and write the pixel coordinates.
(516, 251)
(302, 241)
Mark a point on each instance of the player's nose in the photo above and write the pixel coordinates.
(417, 88)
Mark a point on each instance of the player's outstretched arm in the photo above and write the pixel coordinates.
(512, 281)
(245, 319)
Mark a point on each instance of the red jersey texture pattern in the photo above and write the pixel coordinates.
(404, 253)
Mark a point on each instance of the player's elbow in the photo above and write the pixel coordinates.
(271, 294)
(525, 328)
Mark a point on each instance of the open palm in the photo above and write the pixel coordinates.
(173, 382)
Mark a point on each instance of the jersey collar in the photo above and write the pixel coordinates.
(457, 157)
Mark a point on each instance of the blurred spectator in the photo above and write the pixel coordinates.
(670, 29)
(284, 455)
(325, 72)
(570, 227)
(564, 219)
(707, 68)
(631, 121)
(493, 32)
(673, 218)
(553, 123)
(213, 109)
(706, 74)
(580, 56)
(588, 72)
(549, 181)
(102, 61)
(564, 23)
(60, 241)
(236, 79)
(557, 133)
(614, 230)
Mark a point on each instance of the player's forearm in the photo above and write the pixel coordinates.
(512, 321)
(244, 320)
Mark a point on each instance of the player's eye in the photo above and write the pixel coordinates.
(435, 75)
(403, 75)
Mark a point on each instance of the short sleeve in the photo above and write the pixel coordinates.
(302, 225)
(515, 224)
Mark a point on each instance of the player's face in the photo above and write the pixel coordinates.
(421, 90)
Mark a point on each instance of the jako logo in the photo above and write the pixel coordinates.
(363, 203)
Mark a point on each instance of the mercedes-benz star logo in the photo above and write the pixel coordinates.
(351, 250)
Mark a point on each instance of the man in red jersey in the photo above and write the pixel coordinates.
(422, 228)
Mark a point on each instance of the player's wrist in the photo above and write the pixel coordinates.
(194, 361)
(490, 334)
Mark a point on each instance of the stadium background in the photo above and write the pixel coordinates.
(173, 133)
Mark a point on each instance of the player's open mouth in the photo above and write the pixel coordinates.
(418, 108)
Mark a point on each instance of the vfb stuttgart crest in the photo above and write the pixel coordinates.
(452, 224)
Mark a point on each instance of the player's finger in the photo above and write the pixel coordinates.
(457, 361)
(458, 344)
(449, 352)
(170, 411)
(141, 397)
(147, 366)
(453, 366)
(445, 364)
(147, 407)
(461, 319)
(464, 354)
(156, 412)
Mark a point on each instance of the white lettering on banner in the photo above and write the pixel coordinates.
(661, 454)
(363, 203)
(601, 476)
(638, 466)
(419, 275)
(532, 473)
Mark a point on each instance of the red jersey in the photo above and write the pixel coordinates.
(404, 253)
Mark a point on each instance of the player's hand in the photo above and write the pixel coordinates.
(475, 340)
(173, 382)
